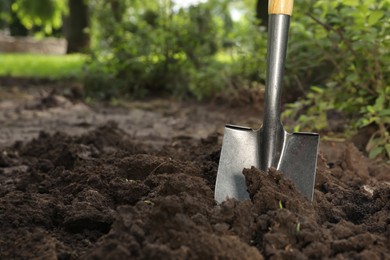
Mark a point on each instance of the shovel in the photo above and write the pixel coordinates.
(293, 154)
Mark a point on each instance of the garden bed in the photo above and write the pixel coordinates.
(110, 193)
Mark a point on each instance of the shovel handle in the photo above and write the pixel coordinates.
(280, 7)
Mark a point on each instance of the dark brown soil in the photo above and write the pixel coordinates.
(105, 193)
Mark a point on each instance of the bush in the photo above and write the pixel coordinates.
(147, 48)
(350, 39)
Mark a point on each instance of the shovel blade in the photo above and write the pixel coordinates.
(242, 148)
(299, 161)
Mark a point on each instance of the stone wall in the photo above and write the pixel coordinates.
(10, 44)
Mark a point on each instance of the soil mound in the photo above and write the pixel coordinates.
(106, 195)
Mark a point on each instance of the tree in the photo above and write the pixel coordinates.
(75, 25)
(262, 12)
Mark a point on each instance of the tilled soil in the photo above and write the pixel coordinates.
(107, 194)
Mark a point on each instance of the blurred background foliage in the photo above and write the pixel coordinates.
(338, 63)
(345, 53)
(42, 17)
(155, 47)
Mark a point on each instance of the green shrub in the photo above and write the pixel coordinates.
(147, 48)
(350, 40)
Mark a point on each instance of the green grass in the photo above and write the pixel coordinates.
(54, 66)
(42, 66)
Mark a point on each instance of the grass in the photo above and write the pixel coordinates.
(55, 67)
(41, 66)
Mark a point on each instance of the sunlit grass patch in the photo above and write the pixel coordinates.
(41, 66)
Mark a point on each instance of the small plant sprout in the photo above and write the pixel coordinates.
(148, 202)
(280, 204)
(298, 228)
(130, 181)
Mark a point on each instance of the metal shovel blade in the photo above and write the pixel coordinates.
(242, 149)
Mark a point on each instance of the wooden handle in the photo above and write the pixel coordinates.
(280, 6)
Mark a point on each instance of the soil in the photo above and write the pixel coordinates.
(82, 181)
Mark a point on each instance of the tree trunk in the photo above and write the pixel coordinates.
(74, 26)
(262, 12)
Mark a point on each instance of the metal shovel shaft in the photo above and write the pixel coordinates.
(273, 132)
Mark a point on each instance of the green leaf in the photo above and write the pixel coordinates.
(351, 2)
(297, 128)
(363, 122)
(375, 152)
(317, 89)
(387, 147)
(379, 102)
(374, 17)
(385, 112)
(370, 109)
